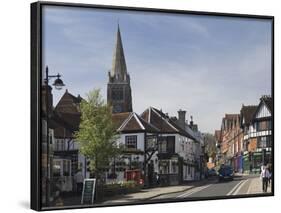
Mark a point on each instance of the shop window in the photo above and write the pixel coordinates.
(174, 167)
(164, 167)
(56, 168)
(66, 167)
(162, 145)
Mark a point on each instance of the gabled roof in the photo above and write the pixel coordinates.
(119, 118)
(131, 122)
(68, 114)
(164, 123)
(159, 120)
(231, 116)
(247, 113)
(267, 100)
(68, 104)
(64, 127)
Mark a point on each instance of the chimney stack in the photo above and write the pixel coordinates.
(181, 118)
(50, 98)
(191, 120)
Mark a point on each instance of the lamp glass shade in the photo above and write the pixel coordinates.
(58, 84)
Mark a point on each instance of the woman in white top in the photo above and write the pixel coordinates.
(264, 176)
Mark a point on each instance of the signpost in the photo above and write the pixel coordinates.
(88, 192)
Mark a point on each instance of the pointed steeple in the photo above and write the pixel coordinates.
(119, 69)
(119, 94)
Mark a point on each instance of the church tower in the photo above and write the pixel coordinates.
(118, 87)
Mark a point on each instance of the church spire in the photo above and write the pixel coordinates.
(119, 94)
(119, 69)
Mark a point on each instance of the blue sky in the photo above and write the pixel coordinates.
(205, 65)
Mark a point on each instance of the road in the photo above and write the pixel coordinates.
(240, 185)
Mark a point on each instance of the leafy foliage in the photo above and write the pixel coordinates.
(97, 135)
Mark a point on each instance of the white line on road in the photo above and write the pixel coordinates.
(240, 187)
(192, 191)
(234, 188)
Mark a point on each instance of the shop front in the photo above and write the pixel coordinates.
(239, 163)
(169, 172)
(252, 162)
(246, 163)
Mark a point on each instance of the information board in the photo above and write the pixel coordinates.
(88, 192)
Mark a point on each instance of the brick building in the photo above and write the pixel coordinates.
(232, 141)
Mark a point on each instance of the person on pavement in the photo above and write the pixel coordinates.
(79, 180)
(264, 176)
(270, 174)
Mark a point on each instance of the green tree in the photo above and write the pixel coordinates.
(96, 135)
(210, 145)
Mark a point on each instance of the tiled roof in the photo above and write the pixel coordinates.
(131, 122)
(159, 120)
(67, 124)
(164, 123)
(149, 127)
(247, 113)
(268, 101)
(68, 104)
(119, 118)
(68, 114)
(231, 116)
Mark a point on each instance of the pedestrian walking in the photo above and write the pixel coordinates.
(157, 179)
(270, 173)
(264, 177)
(79, 181)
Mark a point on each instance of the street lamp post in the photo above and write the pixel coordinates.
(58, 83)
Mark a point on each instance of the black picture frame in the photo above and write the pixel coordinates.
(36, 97)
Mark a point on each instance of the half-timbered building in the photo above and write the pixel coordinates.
(176, 160)
(258, 135)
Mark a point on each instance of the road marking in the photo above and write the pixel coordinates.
(234, 188)
(249, 188)
(192, 191)
(239, 188)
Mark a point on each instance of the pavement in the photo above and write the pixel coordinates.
(256, 186)
(151, 193)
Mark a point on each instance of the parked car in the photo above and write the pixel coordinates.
(212, 172)
(225, 173)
